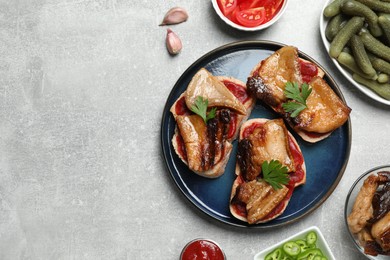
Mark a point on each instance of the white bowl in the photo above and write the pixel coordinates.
(250, 29)
(351, 197)
(321, 244)
(348, 75)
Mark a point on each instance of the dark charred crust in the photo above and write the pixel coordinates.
(381, 199)
(237, 202)
(225, 116)
(384, 176)
(385, 241)
(243, 155)
(381, 204)
(217, 130)
(297, 121)
(244, 160)
(235, 199)
(242, 195)
(381, 207)
(224, 120)
(292, 121)
(212, 128)
(257, 88)
(372, 248)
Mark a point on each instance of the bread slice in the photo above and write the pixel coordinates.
(189, 141)
(276, 200)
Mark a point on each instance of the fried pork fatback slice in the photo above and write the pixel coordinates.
(206, 147)
(381, 232)
(272, 74)
(260, 199)
(263, 140)
(252, 199)
(325, 111)
(267, 80)
(362, 209)
(204, 84)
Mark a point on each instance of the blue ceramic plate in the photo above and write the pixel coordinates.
(325, 160)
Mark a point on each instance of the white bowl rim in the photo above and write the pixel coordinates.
(368, 92)
(250, 29)
(307, 230)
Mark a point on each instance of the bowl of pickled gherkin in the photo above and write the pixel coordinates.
(306, 244)
(356, 35)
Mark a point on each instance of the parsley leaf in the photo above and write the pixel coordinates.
(298, 96)
(200, 108)
(275, 173)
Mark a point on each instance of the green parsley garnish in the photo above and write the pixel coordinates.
(275, 173)
(200, 108)
(298, 96)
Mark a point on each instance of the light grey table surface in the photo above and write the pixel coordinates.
(82, 88)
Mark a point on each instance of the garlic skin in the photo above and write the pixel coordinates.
(175, 15)
(173, 42)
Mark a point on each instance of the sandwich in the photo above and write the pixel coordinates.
(269, 166)
(296, 90)
(208, 117)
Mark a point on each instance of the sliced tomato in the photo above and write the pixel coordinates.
(271, 8)
(249, 4)
(227, 6)
(251, 17)
(232, 16)
(308, 71)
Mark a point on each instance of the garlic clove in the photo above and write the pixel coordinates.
(174, 16)
(173, 42)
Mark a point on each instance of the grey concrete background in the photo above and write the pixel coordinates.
(82, 87)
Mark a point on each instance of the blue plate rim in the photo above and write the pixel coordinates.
(244, 45)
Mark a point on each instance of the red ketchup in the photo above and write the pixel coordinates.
(238, 91)
(181, 108)
(202, 249)
(250, 129)
(308, 70)
(299, 173)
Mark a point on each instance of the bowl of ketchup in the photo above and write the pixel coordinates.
(249, 15)
(202, 249)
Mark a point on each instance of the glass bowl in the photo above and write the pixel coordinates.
(201, 247)
(243, 28)
(350, 200)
